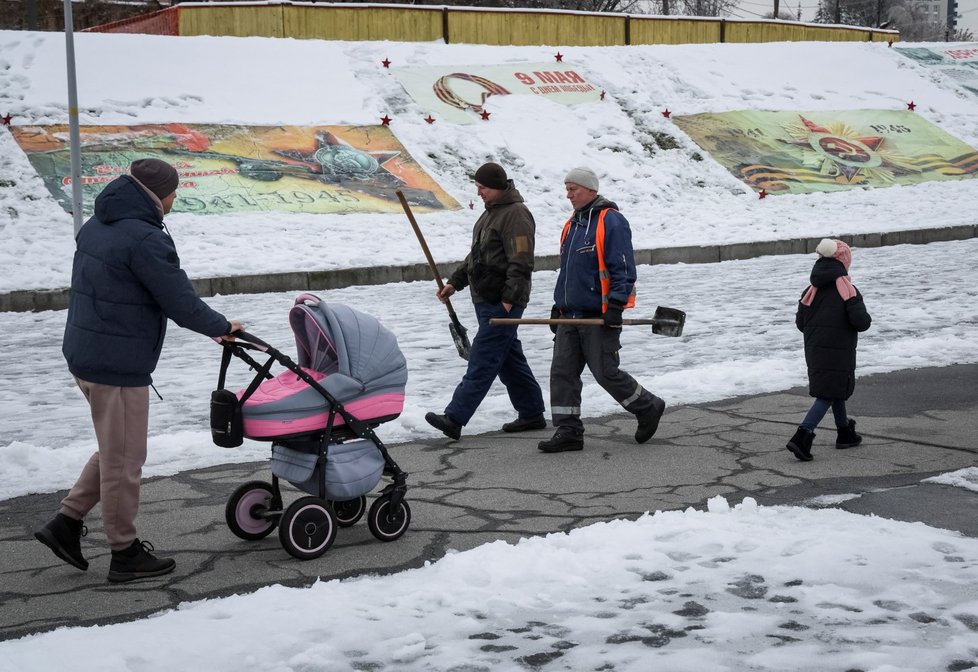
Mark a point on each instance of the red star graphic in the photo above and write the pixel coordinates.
(430, 119)
(485, 115)
(559, 56)
(385, 120)
(602, 95)
(5, 120)
(386, 62)
(666, 113)
(762, 194)
(911, 106)
(471, 205)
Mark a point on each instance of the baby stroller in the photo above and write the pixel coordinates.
(319, 415)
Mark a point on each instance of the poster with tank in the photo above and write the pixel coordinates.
(228, 169)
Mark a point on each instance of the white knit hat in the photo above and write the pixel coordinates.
(582, 176)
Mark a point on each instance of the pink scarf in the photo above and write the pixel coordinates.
(833, 249)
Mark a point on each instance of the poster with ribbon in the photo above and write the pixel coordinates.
(458, 93)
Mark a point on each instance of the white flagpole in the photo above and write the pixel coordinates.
(73, 132)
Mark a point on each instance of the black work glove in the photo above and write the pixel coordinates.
(612, 314)
(554, 315)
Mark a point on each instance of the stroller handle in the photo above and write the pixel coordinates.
(249, 341)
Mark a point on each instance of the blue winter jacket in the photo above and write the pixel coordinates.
(125, 282)
(578, 289)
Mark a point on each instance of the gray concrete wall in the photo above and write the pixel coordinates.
(57, 299)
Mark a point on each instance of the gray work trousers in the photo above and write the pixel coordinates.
(597, 348)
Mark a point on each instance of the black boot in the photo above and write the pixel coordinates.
(443, 423)
(649, 422)
(847, 436)
(526, 424)
(801, 444)
(564, 439)
(63, 536)
(136, 562)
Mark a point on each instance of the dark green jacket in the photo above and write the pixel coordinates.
(500, 263)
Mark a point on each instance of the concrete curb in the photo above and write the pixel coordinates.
(57, 299)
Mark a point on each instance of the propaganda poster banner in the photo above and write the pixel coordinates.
(227, 169)
(959, 62)
(789, 152)
(458, 93)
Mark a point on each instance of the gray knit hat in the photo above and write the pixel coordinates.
(582, 176)
(158, 176)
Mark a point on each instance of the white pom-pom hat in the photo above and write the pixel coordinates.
(835, 249)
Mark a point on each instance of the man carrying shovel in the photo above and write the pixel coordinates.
(596, 280)
(497, 270)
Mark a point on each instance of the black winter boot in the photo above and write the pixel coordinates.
(649, 422)
(136, 562)
(63, 536)
(563, 440)
(526, 424)
(847, 436)
(801, 444)
(444, 423)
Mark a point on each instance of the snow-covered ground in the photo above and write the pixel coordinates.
(670, 197)
(729, 588)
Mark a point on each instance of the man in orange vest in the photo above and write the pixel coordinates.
(597, 279)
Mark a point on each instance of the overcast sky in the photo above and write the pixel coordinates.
(747, 9)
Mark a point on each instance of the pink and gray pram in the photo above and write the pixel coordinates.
(319, 415)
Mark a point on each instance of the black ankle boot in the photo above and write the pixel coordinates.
(801, 444)
(563, 440)
(136, 562)
(847, 436)
(445, 424)
(63, 536)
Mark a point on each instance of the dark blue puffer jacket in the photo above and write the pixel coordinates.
(125, 282)
(578, 289)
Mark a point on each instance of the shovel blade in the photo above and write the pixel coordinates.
(668, 321)
(461, 339)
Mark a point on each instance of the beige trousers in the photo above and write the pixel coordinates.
(112, 475)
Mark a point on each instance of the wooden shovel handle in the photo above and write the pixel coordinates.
(417, 232)
(594, 321)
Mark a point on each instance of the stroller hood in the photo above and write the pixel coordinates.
(336, 338)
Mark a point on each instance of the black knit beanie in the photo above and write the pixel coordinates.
(158, 176)
(492, 175)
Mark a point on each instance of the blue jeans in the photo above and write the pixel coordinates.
(496, 351)
(820, 408)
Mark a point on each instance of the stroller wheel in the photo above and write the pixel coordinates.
(308, 528)
(245, 512)
(385, 524)
(348, 512)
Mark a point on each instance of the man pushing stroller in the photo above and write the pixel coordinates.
(126, 282)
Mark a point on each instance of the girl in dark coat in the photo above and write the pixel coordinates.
(830, 314)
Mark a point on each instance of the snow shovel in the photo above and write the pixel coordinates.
(459, 334)
(665, 322)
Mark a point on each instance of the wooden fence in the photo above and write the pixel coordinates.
(420, 23)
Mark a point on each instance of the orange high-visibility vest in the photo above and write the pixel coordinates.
(603, 275)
